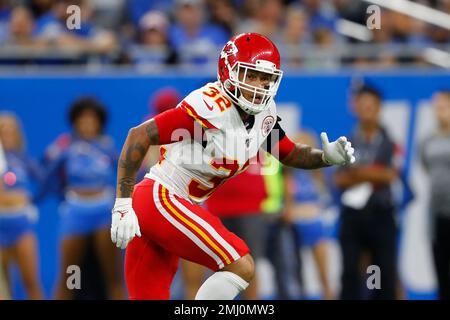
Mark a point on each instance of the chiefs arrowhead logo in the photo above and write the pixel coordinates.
(229, 49)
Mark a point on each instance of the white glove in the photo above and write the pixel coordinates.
(124, 224)
(339, 152)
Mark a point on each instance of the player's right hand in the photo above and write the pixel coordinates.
(124, 225)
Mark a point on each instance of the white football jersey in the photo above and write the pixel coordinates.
(192, 169)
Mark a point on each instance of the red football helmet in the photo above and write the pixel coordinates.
(249, 51)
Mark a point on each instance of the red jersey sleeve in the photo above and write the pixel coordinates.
(284, 147)
(171, 120)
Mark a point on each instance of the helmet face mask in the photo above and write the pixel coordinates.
(254, 99)
(244, 58)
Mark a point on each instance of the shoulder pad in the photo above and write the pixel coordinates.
(206, 105)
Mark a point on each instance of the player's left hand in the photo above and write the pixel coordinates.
(339, 152)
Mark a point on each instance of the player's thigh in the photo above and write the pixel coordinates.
(191, 232)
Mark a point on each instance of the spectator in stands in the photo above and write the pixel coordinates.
(137, 8)
(5, 15)
(105, 24)
(325, 49)
(224, 14)
(321, 14)
(407, 30)
(295, 36)
(383, 55)
(39, 7)
(19, 174)
(108, 14)
(411, 32)
(195, 41)
(52, 28)
(82, 166)
(20, 28)
(267, 20)
(436, 160)
(368, 212)
(5, 9)
(154, 48)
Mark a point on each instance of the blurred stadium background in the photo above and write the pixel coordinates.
(126, 50)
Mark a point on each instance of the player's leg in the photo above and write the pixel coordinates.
(191, 232)
(24, 252)
(229, 282)
(109, 258)
(149, 268)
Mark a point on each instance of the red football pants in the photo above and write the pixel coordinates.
(173, 227)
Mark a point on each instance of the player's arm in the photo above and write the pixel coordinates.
(133, 152)
(302, 156)
(292, 154)
(156, 131)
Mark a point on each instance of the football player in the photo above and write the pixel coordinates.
(236, 116)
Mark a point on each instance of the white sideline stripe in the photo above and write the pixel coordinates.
(207, 226)
(183, 229)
